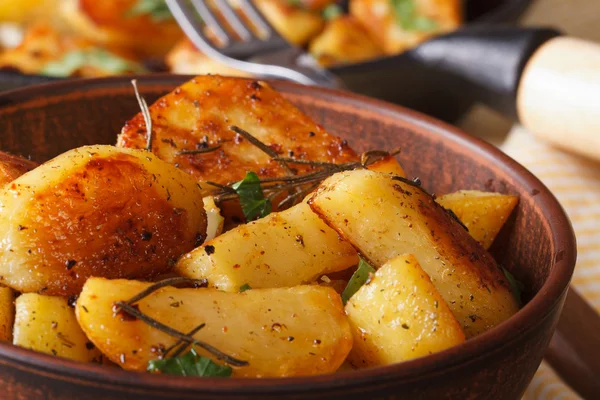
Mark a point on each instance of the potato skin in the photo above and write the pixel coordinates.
(281, 332)
(283, 249)
(399, 315)
(482, 212)
(96, 211)
(47, 324)
(199, 114)
(7, 313)
(11, 167)
(384, 217)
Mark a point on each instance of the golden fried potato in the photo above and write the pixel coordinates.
(43, 46)
(482, 212)
(11, 167)
(7, 313)
(199, 113)
(280, 332)
(398, 28)
(96, 211)
(294, 23)
(48, 324)
(24, 10)
(186, 59)
(344, 41)
(383, 217)
(283, 249)
(114, 24)
(214, 219)
(399, 315)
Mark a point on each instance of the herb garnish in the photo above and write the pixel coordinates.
(253, 201)
(359, 278)
(408, 18)
(332, 11)
(516, 286)
(157, 10)
(93, 57)
(245, 287)
(189, 364)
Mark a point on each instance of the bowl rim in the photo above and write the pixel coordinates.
(494, 340)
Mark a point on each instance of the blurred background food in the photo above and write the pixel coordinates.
(97, 38)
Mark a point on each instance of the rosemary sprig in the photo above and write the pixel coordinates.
(199, 151)
(145, 113)
(266, 149)
(187, 339)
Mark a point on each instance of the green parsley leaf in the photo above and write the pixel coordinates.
(295, 3)
(93, 56)
(516, 286)
(332, 11)
(244, 287)
(408, 18)
(359, 278)
(189, 364)
(156, 9)
(252, 198)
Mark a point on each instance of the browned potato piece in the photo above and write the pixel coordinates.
(11, 167)
(283, 249)
(96, 211)
(280, 332)
(44, 44)
(295, 24)
(199, 114)
(7, 313)
(399, 315)
(110, 23)
(186, 59)
(384, 216)
(48, 324)
(380, 19)
(344, 41)
(482, 212)
(388, 165)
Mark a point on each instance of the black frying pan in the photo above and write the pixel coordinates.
(419, 78)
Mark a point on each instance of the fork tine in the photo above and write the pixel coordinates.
(257, 18)
(233, 19)
(210, 20)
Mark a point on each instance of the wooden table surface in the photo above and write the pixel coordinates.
(580, 18)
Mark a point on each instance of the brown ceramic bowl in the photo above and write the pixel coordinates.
(537, 245)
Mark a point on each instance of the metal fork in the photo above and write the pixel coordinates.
(275, 57)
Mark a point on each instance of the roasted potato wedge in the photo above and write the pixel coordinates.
(43, 45)
(399, 315)
(400, 28)
(280, 332)
(48, 324)
(11, 167)
(283, 249)
(483, 213)
(384, 216)
(114, 24)
(214, 219)
(96, 211)
(199, 113)
(186, 59)
(344, 41)
(294, 23)
(7, 313)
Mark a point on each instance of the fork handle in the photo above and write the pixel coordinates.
(549, 82)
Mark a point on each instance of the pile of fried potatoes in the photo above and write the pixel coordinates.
(108, 37)
(97, 225)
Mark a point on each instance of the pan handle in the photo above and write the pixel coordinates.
(549, 82)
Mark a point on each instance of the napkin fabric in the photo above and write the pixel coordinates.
(575, 182)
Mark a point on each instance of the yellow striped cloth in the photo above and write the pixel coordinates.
(576, 183)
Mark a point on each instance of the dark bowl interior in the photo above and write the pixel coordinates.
(399, 79)
(537, 245)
